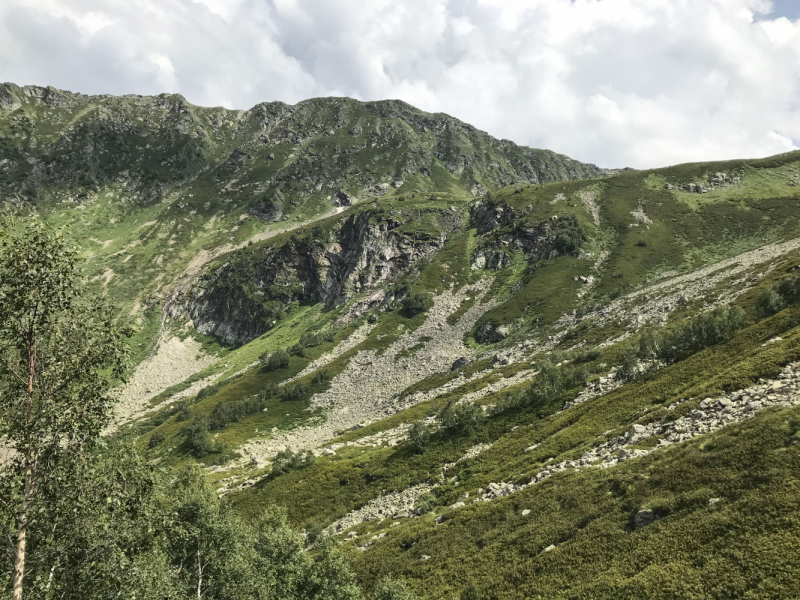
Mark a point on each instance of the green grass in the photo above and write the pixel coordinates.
(352, 478)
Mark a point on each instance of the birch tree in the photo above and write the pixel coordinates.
(60, 350)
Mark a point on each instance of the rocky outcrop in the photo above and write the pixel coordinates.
(715, 181)
(245, 297)
(502, 228)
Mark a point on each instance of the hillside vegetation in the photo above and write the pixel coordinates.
(491, 371)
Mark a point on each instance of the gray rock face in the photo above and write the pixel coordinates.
(241, 300)
(643, 518)
(461, 362)
(341, 199)
(271, 210)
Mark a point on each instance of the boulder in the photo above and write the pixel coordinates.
(636, 433)
(461, 362)
(644, 518)
(342, 199)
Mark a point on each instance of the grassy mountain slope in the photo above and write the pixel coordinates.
(482, 367)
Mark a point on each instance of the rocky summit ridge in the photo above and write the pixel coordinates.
(492, 370)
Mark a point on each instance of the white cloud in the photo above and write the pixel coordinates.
(615, 82)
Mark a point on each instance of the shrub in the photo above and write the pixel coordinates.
(587, 356)
(769, 302)
(417, 303)
(418, 436)
(287, 461)
(297, 349)
(321, 377)
(229, 412)
(295, 392)
(548, 386)
(184, 412)
(425, 503)
(277, 360)
(629, 370)
(156, 439)
(209, 390)
(309, 340)
(461, 418)
(313, 532)
(393, 589)
(671, 345)
(569, 235)
(706, 329)
(777, 297)
(198, 439)
(574, 375)
(401, 289)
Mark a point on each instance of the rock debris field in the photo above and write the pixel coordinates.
(710, 415)
(369, 386)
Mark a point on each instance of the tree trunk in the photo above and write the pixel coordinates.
(199, 577)
(22, 537)
(27, 495)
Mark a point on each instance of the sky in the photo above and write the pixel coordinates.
(637, 83)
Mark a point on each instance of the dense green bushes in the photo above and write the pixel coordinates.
(417, 303)
(419, 436)
(666, 346)
(569, 235)
(461, 418)
(118, 527)
(229, 412)
(292, 393)
(549, 389)
(777, 297)
(452, 419)
(275, 360)
(287, 461)
(156, 439)
(199, 440)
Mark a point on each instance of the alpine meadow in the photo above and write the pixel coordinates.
(345, 350)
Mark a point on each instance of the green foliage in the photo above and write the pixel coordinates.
(287, 461)
(156, 439)
(419, 436)
(463, 418)
(417, 303)
(630, 366)
(184, 412)
(311, 339)
(425, 503)
(198, 439)
(393, 589)
(116, 523)
(550, 386)
(275, 360)
(704, 330)
(293, 393)
(569, 235)
(225, 413)
(60, 351)
(776, 297)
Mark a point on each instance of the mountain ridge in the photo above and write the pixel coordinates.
(488, 390)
